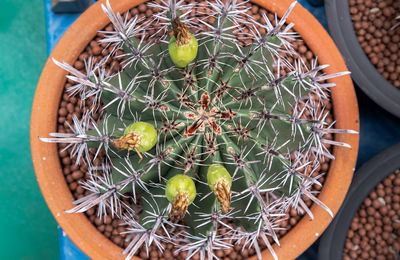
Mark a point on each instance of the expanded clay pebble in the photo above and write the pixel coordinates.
(76, 174)
(375, 230)
(373, 23)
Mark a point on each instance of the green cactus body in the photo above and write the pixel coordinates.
(225, 115)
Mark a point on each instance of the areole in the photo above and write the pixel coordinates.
(48, 168)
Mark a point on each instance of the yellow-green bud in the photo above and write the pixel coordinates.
(220, 182)
(181, 192)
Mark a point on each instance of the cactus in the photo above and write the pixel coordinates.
(202, 128)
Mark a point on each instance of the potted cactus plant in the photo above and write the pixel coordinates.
(202, 129)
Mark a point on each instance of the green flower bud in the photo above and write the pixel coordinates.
(181, 192)
(180, 183)
(138, 136)
(220, 181)
(215, 173)
(183, 45)
(146, 132)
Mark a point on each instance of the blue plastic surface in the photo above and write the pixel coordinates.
(379, 129)
(68, 250)
(56, 25)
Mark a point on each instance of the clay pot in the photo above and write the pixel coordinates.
(47, 163)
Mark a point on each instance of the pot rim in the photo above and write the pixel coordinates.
(365, 180)
(364, 73)
(47, 163)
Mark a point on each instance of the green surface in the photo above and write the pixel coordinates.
(27, 229)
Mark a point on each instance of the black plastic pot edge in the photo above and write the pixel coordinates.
(316, 2)
(363, 71)
(366, 178)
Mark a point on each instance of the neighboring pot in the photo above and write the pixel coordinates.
(316, 2)
(362, 70)
(365, 180)
(47, 163)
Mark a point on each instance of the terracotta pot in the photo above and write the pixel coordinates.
(47, 163)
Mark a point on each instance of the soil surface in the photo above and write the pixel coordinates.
(375, 230)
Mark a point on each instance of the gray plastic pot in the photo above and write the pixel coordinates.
(363, 71)
(365, 180)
